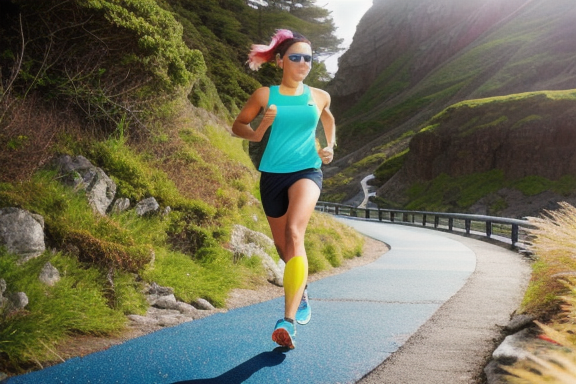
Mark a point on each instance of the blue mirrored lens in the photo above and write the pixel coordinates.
(297, 58)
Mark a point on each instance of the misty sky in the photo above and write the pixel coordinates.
(346, 15)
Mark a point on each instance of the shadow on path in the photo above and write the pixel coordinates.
(242, 372)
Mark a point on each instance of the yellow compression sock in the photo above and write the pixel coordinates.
(295, 276)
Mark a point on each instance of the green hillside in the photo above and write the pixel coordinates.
(501, 151)
(146, 90)
(531, 48)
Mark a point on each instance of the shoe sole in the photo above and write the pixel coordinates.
(281, 337)
(303, 322)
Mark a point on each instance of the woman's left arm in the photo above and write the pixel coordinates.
(329, 124)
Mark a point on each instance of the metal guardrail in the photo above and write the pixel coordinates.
(499, 228)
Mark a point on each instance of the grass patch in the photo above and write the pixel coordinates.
(329, 242)
(446, 193)
(77, 304)
(390, 167)
(532, 185)
(133, 174)
(212, 278)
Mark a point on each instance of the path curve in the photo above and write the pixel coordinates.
(360, 319)
(454, 345)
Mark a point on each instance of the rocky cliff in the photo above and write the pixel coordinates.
(532, 135)
(525, 138)
(411, 59)
(424, 32)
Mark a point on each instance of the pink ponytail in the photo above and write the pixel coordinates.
(260, 54)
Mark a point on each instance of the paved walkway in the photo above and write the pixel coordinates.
(453, 346)
(360, 319)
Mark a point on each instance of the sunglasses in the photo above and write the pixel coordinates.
(297, 58)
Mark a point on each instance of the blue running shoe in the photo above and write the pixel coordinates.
(304, 312)
(284, 334)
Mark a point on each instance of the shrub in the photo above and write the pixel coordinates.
(107, 254)
(552, 296)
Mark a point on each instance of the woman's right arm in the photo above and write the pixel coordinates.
(256, 102)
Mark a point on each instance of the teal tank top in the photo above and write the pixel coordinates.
(292, 143)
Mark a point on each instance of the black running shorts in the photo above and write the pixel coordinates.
(274, 189)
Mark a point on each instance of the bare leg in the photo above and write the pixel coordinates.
(288, 232)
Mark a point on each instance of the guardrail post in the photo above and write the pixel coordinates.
(379, 214)
(336, 210)
(423, 220)
(391, 217)
(367, 214)
(514, 234)
(450, 223)
(488, 229)
(467, 226)
(436, 221)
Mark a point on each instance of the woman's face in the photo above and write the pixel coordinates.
(294, 61)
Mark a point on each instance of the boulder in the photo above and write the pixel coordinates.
(147, 206)
(49, 275)
(245, 242)
(22, 233)
(79, 173)
(120, 205)
(3, 300)
(513, 348)
(17, 301)
(72, 169)
(163, 298)
(518, 323)
(166, 302)
(155, 289)
(203, 304)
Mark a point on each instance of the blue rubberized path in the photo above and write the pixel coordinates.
(359, 318)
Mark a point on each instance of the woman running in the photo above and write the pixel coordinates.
(291, 179)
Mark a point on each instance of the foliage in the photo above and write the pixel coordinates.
(107, 61)
(211, 278)
(224, 31)
(158, 37)
(553, 244)
(135, 179)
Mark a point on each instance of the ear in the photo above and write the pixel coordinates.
(279, 61)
